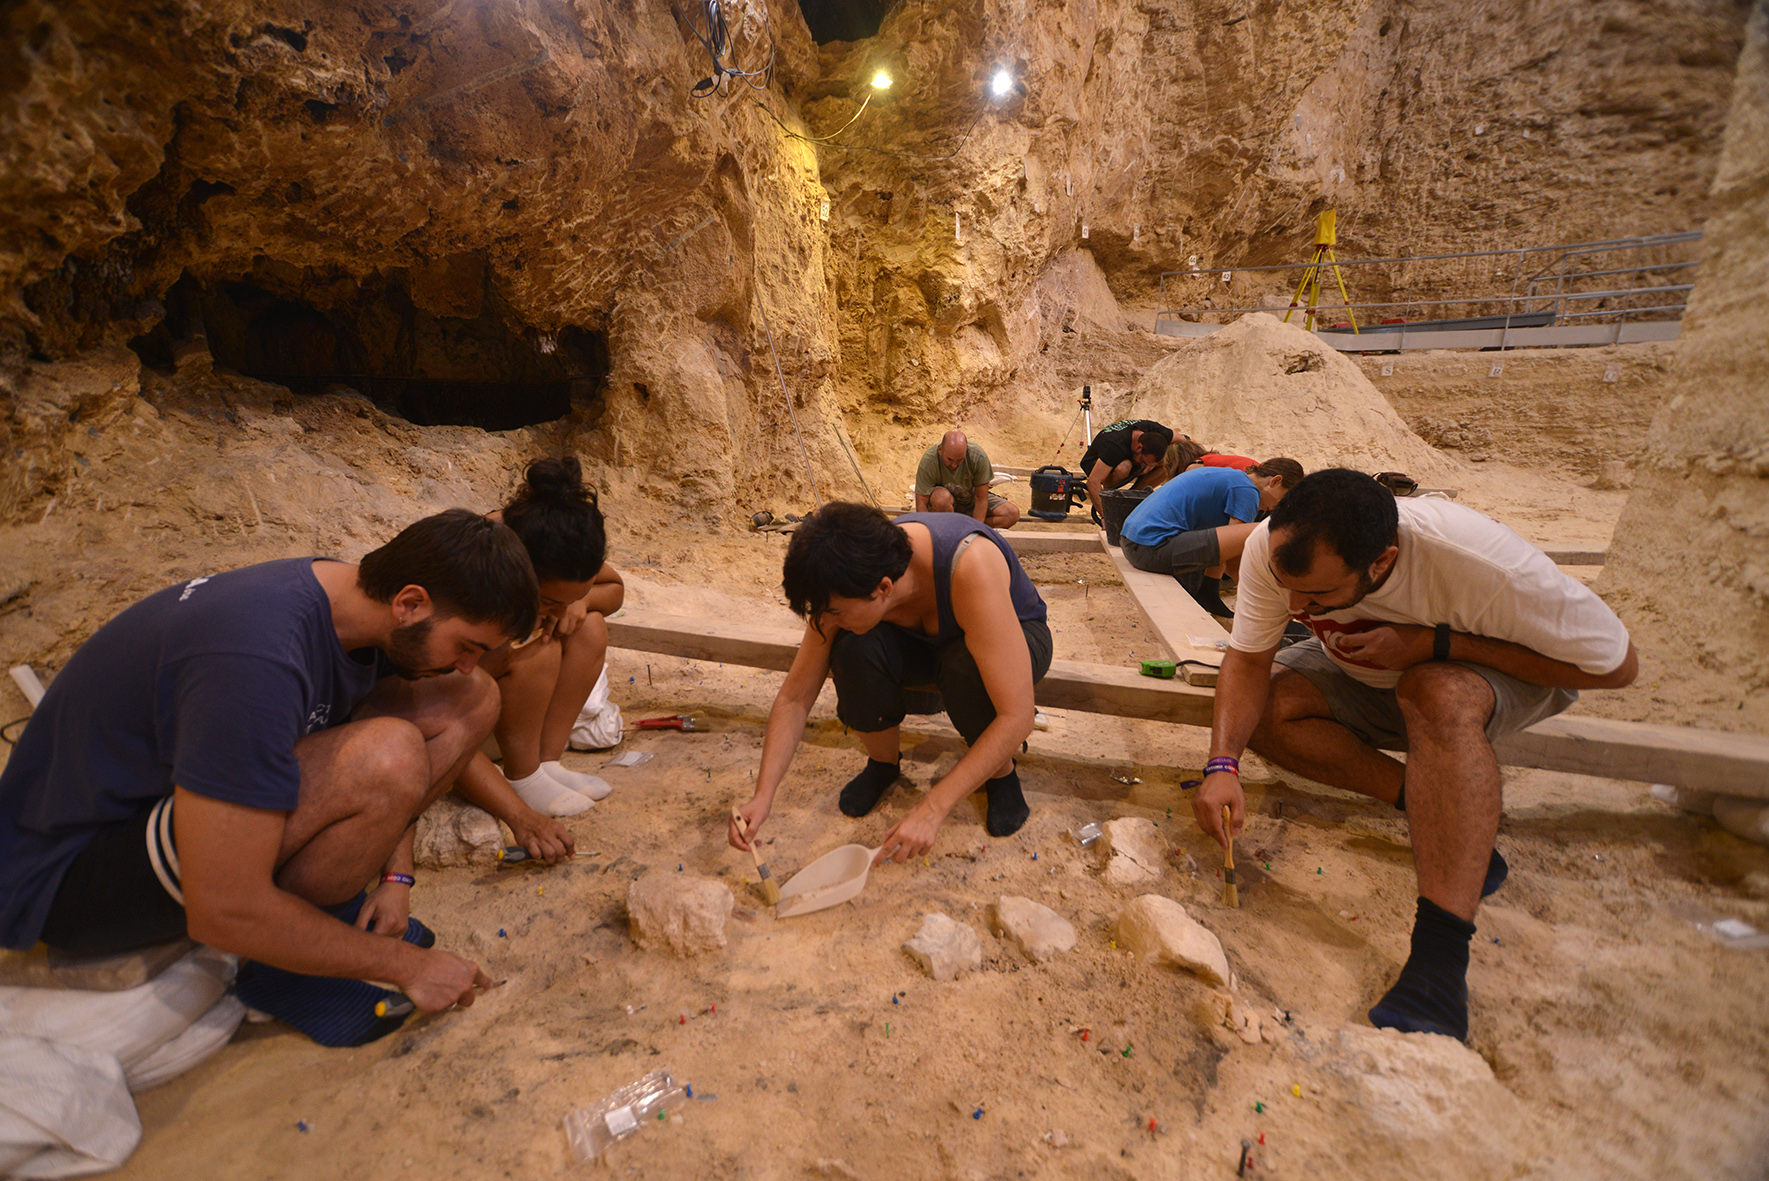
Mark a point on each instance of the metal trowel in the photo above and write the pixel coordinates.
(828, 881)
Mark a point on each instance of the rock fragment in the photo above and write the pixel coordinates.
(944, 948)
(1159, 928)
(453, 833)
(1133, 852)
(682, 913)
(1037, 930)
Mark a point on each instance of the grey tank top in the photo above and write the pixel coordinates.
(950, 533)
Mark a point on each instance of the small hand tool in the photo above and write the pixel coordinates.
(770, 889)
(673, 722)
(1229, 895)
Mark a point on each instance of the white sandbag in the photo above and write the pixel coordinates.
(598, 722)
(202, 1038)
(129, 1025)
(64, 1111)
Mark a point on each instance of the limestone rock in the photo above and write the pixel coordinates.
(1743, 818)
(944, 948)
(1037, 930)
(453, 833)
(1423, 1092)
(1133, 851)
(1244, 1021)
(1159, 928)
(683, 913)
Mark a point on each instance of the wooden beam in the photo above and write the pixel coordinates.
(1052, 543)
(1710, 760)
(1577, 557)
(1174, 614)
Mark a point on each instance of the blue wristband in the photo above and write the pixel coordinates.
(404, 879)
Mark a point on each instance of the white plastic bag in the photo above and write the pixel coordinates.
(64, 1111)
(598, 723)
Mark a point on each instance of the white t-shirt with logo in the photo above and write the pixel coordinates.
(1455, 566)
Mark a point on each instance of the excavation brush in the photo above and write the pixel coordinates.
(769, 887)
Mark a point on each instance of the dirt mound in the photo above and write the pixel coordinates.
(1264, 388)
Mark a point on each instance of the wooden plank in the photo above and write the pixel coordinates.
(1123, 693)
(1577, 557)
(43, 967)
(704, 639)
(1173, 614)
(1052, 543)
(1734, 764)
(1712, 760)
(1090, 688)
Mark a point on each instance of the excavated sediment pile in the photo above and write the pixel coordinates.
(1264, 388)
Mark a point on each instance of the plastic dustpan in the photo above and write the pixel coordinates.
(828, 881)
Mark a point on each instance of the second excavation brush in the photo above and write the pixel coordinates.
(770, 888)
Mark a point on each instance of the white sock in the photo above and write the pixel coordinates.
(583, 785)
(548, 796)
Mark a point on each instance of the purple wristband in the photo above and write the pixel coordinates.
(1223, 763)
(404, 879)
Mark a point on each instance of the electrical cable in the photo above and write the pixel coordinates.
(965, 138)
(803, 453)
(828, 139)
(8, 739)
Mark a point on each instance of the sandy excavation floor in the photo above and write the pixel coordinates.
(1611, 1036)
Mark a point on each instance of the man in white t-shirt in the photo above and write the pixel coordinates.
(1437, 631)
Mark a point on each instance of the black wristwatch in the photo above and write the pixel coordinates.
(1440, 644)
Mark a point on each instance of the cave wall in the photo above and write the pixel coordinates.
(1691, 551)
(547, 161)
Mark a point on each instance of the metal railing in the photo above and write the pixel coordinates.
(1548, 285)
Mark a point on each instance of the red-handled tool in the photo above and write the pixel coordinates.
(673, 722)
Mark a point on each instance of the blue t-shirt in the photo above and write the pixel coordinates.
(206, 685)
(1198, 498)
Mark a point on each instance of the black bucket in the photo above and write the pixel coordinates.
(1054, 490)
(1115, 507)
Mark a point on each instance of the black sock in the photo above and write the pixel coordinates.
(864, 790)
(1431, 995)
(1207, 593)
(1008, 809)
(1496, 868)
(1496, 873)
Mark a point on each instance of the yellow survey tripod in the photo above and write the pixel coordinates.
(1325, 236)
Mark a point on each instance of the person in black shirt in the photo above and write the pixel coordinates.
(1128, 450)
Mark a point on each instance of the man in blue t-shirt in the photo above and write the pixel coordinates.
(1194, 526)
(225, 759)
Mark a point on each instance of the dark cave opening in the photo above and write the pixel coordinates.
(844, 20)
(484, 368)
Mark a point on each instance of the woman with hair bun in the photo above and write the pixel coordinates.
(546, 678)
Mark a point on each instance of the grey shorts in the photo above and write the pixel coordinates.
(1374, 714)
(970, 502)
(1195, 549)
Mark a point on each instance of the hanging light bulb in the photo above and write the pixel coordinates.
(881, 81)
(1001, 83)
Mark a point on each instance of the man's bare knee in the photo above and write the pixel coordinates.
(1444, 696)
(940, 500)
(1291, 698)
(379, 763)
